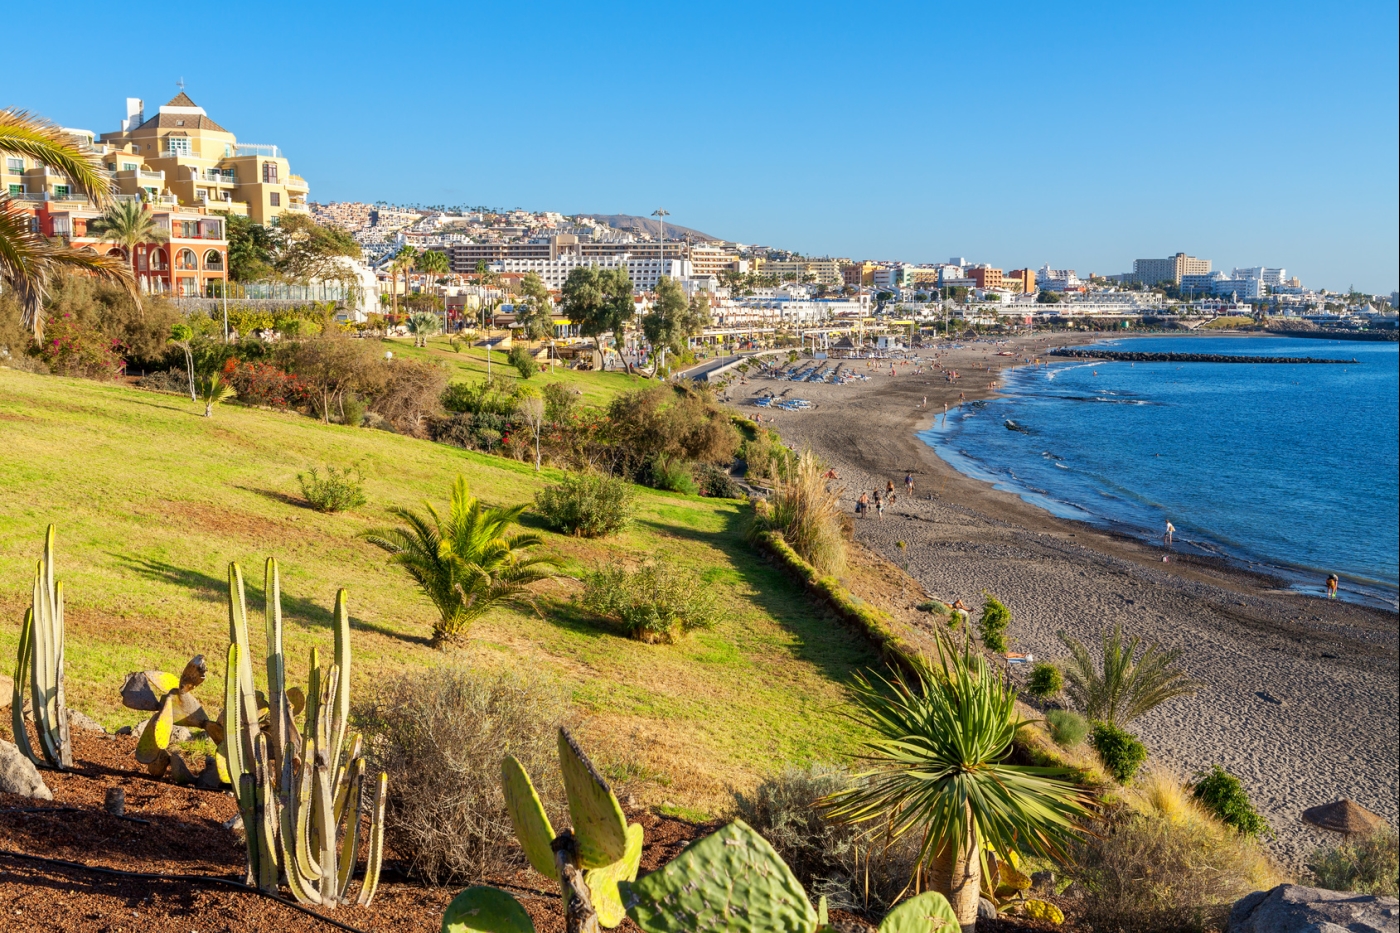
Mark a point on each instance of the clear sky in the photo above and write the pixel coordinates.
(1016, 134)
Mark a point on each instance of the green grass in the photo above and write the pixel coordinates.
(152, 501)
(469, 365)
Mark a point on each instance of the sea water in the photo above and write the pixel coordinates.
(1291, 467)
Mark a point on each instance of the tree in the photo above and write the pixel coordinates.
(939, 768)
(213, 391)
(422, 325)
(307, 251)
(468, 562)
(531, 408)
(1045, 297)
(250, 249)
(28, 260)
(434, 263)
(405, 260)
(599, 301)
(1122, 689)
(535, 309)
(665, 324)
(127, 224)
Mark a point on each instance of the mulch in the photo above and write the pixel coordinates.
(177, 836)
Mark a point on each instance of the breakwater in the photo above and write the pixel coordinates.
(1377, 336)
(1139, 357)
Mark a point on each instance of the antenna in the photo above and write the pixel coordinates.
(181, 84)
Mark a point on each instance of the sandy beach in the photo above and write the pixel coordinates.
(1300, 695)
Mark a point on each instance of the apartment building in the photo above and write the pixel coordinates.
(1270, 277)
(858, 273)
(712, 260)
(644, 271)
(1171, 269)
(181, 152)
(466, 256)
(1058, 280)
(816, 271)
(986, 277)
(1020, 280)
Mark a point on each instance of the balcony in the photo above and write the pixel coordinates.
(256, 149)
(221, 177)
(151, 176)
(177, 154)
(297, 183)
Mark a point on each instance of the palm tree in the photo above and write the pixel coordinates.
(213, 391)
(434, 264)
(939, 768)
(404, 261)
(1122, 689)
(128, 224)
(29, 261)
(467, 563)
(422, 325)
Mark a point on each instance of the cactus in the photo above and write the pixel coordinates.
(587, 861)
(300, 791)
(930, 912)
(40, 662)
(172, 702)
(485, 910)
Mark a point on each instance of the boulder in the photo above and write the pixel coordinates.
(77, 720)
(1292, 908)
(18, 774)
(986, 910)
(143, 689)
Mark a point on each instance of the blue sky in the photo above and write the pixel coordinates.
(1016, 134)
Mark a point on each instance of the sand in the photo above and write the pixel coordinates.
(1299, 695)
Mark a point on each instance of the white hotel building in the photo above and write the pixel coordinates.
(644, 272)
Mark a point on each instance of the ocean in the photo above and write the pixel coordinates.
(1293, 469)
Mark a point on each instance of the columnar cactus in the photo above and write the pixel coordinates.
(300, 791)
(40, 663)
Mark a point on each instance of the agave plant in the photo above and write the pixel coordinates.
(939, 768)
(39, 664)
(1122, 689)
(465, 563)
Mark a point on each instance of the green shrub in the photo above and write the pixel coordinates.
(673, 474)
(523, 361)
(996, 618)
(1045, 681)
(1067, 728)
(653, 603)
(338, 490)
(1368, 864)
(589, 505)
(1119, 750)
(353, 410)
(440, 735)
(495, 396)
(1221, 793)
(716, 482)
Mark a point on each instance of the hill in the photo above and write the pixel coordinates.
(650, 226)
(152, 501)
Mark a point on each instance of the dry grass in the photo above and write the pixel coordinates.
(808, 513)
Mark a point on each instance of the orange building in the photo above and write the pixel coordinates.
(1024, 280)
(986, 277)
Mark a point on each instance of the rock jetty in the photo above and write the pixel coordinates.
(1137, 357)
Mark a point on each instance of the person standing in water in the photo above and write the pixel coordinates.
(1332, 586)
(1171, 530)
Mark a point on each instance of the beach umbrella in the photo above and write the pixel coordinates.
(1344, 816)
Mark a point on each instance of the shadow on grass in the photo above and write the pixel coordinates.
(296, 610)
(275, 496)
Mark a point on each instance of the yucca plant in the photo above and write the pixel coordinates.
(40, 664)
(1120, 688)
(939, 768)
(213, 391)
(467, 562)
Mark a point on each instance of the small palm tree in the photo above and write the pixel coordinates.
(422, 325)
(467, 563)
(939, 768)
(1121, 689)
(28, 260)
(128, 224)
(213, 391)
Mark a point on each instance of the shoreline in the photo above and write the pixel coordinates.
(1300, 693)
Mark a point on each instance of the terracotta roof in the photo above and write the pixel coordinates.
(181, 100)
(191, 121)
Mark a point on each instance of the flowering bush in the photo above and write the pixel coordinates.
(72, 348)
(263, 384)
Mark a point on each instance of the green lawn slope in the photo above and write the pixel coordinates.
(152, 501)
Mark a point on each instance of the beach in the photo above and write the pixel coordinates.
(1299, 694)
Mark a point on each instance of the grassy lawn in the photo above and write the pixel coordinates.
(152, 501)
(469, 365)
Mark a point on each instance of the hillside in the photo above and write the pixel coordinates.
(648, 225)
(152, 501)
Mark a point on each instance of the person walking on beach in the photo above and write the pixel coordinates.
(862, 505)
(909, 483)
(1332, 586)
(889, 487)
(879, 505)
(1171, 530)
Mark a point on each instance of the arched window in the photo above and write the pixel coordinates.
(185, 259)
(214, 261)
(116, 253)
(158, 260)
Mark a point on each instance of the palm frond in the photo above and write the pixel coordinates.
(1117, 688)
(27, 134)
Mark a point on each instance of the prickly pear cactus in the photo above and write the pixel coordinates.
(531, 823)
(930, 912)
(600, 828)
(730, 881)
(1043, 911)
(485, 910)
(603, 882)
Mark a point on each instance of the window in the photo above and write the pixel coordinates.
(270, 173)
(14, 166)
(16, 190)
(60, 191)
(128, 166)
(111, 166)
(178, 144)
(189, 230)
(274, 199)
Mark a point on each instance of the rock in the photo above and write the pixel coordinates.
(177, 733)
(1292, 908)
(986, 910)
(127, 730)
(7, 690)
(180, 772)
(1043, 882)
(18, 774)
(77, 720)
(143, 689)
(209, 778)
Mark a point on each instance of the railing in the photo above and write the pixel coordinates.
(222, 177)
(296, 181)
(176, 154)
(257, 149)
(142, 173)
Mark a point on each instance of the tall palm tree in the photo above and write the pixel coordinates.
(939, 768)
(1121, 689)
(466, 563)
(435, 264)
(404, 261)
(127, 224)
(29, 261)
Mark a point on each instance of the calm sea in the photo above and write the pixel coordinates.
(1293, 467)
